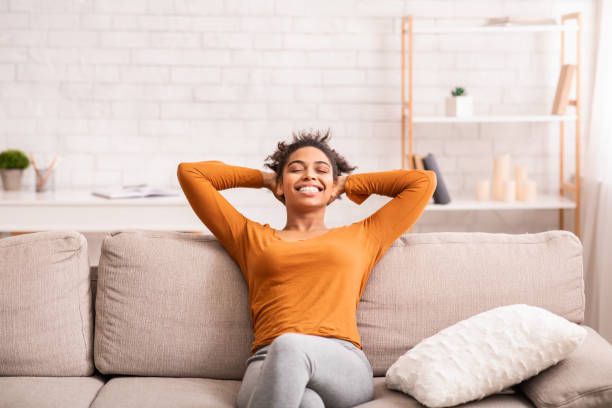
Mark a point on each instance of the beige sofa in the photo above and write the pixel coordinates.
(172, 324)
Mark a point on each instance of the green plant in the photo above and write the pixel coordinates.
(458, 91)
(13, 159)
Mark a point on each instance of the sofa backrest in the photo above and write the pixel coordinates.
(175, 304)
(429, 281)
(46, 322)
(170, 304)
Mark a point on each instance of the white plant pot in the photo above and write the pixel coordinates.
(459, 106)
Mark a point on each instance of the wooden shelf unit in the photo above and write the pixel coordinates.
(559, 202)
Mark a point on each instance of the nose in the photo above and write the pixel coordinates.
(309, 174)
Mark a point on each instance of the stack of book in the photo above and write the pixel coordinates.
(428, 162)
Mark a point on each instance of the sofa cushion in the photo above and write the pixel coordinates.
(45, 301)
(429, 281)
(582, 380)
(384, 397)
(484, 354)
(170, 304)
(152, 392)
(49, 392)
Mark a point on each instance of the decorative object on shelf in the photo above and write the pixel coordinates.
(520, 177)
(440, 195)
(509, 191)
(501, 173)
(519, 20)
(45, 176)
(12, 164)
(459, 104)
(563, 89)
(418, 162)
(529, 191)
(483, 190)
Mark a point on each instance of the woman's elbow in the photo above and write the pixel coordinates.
(427, 181)
(181, 169)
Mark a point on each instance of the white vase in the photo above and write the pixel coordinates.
(459, 106)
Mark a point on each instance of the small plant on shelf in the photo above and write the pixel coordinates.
(459, 104)
(458, 91)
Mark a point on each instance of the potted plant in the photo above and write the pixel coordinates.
(12, 163)
(459, 104)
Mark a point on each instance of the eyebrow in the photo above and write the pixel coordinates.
(301, 162)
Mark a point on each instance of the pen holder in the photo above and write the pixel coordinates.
(45, 179)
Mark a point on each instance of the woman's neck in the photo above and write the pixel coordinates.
(310, 221)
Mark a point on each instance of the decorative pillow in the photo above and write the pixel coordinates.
(582, 380)
(484, 354)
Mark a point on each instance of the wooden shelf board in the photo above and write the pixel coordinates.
(543, 202)
(487, 29)
(493, 118)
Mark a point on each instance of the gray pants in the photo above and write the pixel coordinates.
(305, 371)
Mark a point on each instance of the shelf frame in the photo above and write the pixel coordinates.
(408, 119)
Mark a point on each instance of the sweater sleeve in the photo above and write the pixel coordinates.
(411, 191)
(201, 182)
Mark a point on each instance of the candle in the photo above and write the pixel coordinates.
(501, 173)
(509, 191)
(529, 191)
(520, 176)
(483, 188)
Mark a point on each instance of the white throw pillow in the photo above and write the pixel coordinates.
(483, 355)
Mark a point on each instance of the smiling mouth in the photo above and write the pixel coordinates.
(309, 193)
(309, 189)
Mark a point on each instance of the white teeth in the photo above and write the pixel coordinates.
(309, 189)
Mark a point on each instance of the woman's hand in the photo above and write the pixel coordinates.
(269, 182)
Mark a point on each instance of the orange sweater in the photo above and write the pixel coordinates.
(312, 286)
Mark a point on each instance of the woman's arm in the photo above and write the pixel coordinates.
(411, 191)
(201, 182)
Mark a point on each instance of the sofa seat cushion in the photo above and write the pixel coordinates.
(49, 392)
(384, 397)
(163, 392)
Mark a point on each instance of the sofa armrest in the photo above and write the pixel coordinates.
(582, 380)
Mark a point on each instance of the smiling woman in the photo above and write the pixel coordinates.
(305, 281)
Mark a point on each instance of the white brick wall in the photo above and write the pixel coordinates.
(113, 86)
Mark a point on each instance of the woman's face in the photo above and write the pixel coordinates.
(308, 179)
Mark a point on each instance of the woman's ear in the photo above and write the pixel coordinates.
(279, 187)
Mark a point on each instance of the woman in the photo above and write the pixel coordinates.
(305, 281)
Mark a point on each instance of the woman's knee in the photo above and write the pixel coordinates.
(287, 343)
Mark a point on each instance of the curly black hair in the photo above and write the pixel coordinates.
(278, 159)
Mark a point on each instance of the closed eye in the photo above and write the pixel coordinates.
(298, 170)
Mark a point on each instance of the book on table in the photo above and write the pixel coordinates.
(138, 191)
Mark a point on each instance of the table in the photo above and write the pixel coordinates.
(79, 210)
